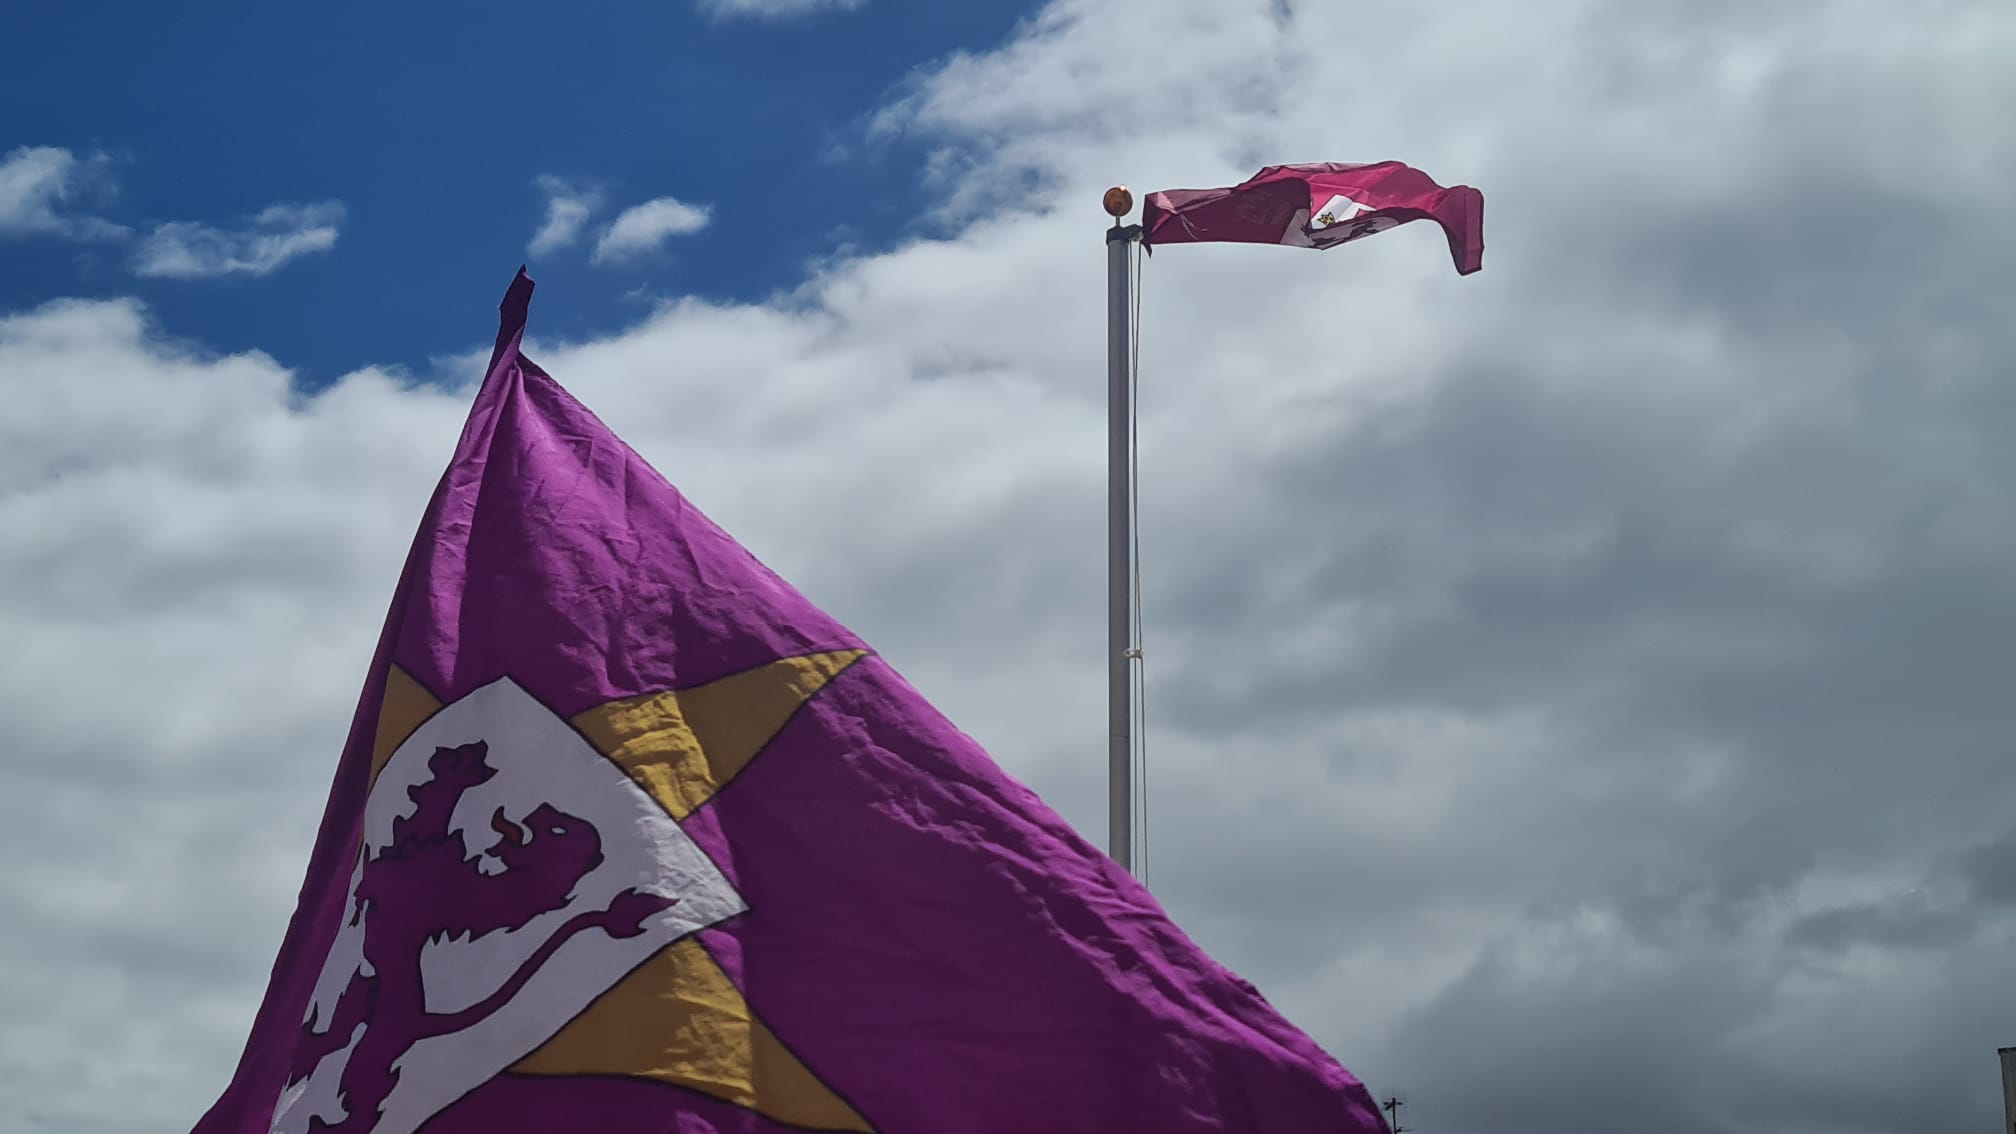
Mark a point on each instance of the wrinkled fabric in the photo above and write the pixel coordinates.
(1319, 206)
(848, 917)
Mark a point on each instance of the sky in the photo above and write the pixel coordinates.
(1577, 692)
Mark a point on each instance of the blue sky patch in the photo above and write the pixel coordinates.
(352, 188)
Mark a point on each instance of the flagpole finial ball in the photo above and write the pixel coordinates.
(1119, 202)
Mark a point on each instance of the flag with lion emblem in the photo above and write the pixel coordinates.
(630, 837)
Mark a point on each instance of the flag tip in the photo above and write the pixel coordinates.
(511, 316)
(517, 303)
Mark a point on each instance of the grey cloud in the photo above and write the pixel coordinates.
(1911, 922)
(1991, 868)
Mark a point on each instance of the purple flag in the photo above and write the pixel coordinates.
(629, 837)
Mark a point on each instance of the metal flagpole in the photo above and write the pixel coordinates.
(1119, 537)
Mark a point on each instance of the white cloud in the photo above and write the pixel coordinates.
(772, 9)
(267, 242)
(38, 183)
(1582, 679)
(568, 209)
(642, 229)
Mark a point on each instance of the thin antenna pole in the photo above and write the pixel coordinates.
(1119, 537)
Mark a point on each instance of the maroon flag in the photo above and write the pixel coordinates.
(1317, 206)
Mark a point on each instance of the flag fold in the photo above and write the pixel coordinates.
(1319, 206)
(628, 836)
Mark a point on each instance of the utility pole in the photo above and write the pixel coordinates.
(1392, 1107)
